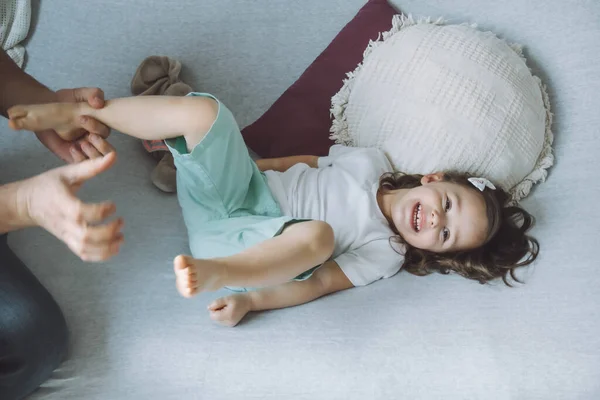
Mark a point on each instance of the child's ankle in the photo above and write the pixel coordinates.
(83, 110)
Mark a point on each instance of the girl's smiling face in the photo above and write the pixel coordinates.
(438, 216)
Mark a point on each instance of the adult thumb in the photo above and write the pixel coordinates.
(77, 173)
(93, 96)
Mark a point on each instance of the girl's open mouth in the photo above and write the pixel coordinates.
(417, 217)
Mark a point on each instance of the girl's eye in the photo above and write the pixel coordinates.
(446, 234)
(448, 204)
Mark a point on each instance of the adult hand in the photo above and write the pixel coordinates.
(91, 132)
(49, 200)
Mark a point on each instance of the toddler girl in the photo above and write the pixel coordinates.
(302, 227)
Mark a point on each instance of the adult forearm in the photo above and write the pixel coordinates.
(12, 215)
(17, 87)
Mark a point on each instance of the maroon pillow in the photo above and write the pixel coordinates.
(299, 121)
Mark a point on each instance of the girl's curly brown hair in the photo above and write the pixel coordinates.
(507, 245)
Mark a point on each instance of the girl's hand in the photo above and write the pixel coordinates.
(229, 310)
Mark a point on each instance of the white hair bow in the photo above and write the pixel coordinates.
(482, 183)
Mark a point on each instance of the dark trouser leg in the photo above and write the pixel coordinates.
(33, 332)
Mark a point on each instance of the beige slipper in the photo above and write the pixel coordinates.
(164, 175)
(159, 75)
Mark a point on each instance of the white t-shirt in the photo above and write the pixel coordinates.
(343, 193)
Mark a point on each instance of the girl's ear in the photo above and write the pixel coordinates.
(437, 177)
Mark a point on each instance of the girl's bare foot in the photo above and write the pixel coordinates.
(196, 275)
(62, 117)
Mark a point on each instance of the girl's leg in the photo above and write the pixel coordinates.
(144, 117)
(299, 247)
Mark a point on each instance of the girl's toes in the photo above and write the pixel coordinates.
(17, 112)
(180, 264)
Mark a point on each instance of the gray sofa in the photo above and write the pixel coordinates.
(440, 337)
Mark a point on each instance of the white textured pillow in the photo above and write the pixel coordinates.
(15, 16)
(441, 97)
